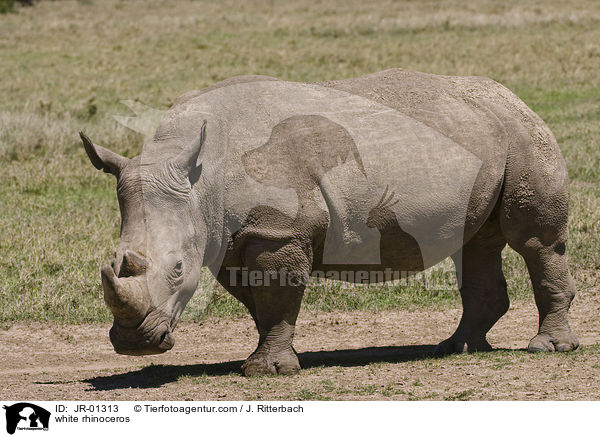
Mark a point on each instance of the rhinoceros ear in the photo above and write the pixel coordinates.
(186, 161)
(103, 159)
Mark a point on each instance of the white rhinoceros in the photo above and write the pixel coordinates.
(268, 182)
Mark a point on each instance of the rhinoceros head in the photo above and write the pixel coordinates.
(157, 264)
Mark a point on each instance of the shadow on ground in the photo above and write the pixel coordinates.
(158, 375)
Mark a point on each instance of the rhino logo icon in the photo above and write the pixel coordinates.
(26, 416)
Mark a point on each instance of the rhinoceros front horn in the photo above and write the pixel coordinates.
(126, 297)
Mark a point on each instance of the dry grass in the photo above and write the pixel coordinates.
(345, 356)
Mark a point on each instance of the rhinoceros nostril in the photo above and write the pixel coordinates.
(163, 336)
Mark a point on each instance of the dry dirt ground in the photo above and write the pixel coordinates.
(357, 355)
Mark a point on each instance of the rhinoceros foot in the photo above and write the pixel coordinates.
(264, 362)
(462, 344)
(559, 342)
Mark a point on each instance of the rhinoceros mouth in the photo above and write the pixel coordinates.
(166, 344)
(152, 336)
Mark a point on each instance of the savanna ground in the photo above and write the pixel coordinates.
(65, 66)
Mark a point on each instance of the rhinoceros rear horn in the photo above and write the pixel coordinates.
(133, 264)
(103, 159)
(186, 161)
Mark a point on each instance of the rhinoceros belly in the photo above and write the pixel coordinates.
(414, 195)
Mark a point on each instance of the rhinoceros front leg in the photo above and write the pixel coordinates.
(276, 290)
(483, 291)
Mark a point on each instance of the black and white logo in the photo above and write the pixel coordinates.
(26, 416)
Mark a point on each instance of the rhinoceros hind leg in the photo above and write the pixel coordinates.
(554, 289)
(482, 290)
(282, 271)
(534, 221)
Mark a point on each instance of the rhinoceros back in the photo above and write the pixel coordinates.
(376, 153)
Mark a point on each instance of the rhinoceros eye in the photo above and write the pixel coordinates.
(178, 269)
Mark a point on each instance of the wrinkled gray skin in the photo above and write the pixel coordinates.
(175, 217)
